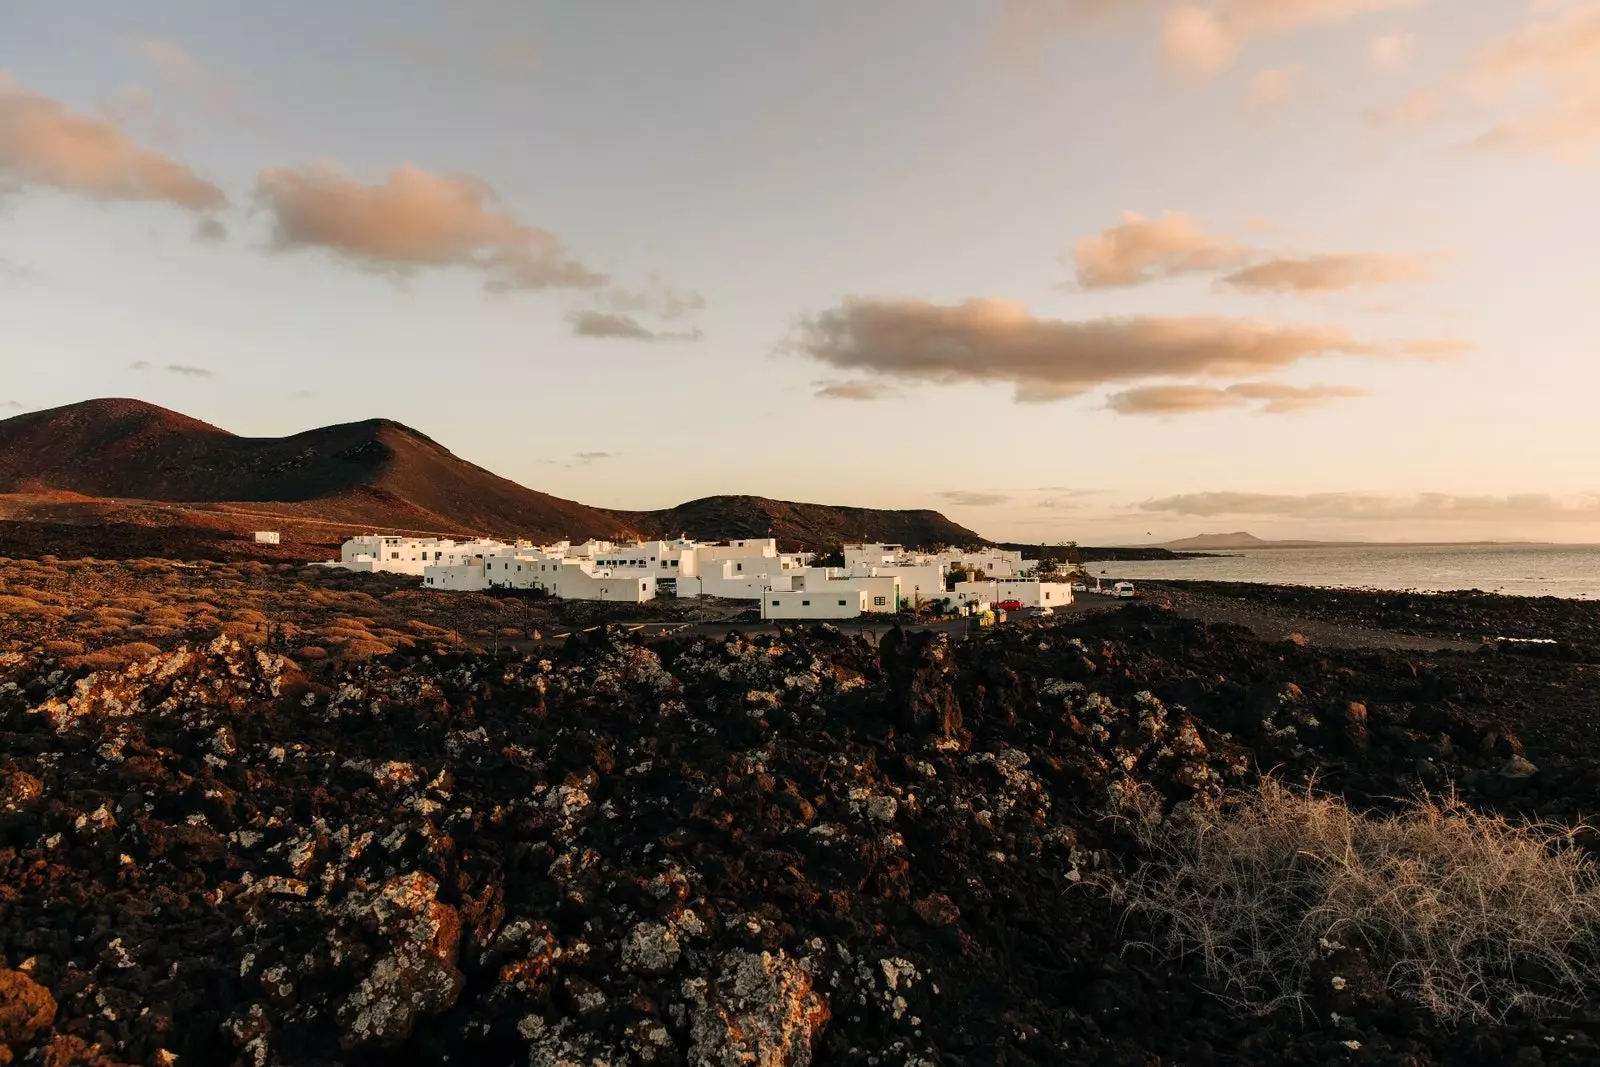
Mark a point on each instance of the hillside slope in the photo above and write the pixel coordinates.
(810, 524)
(99, 461)
(377, 471)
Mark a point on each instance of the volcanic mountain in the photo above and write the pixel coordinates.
(807, 524)
(376, 472)
(371, 474)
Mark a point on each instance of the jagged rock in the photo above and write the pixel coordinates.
(650, 948)
(757, 1010)
(417, 975)
(26, 1008)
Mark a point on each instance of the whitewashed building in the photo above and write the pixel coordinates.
(845, 603)
(266, 537)
(1029, 593)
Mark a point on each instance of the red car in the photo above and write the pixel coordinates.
(1009, 605)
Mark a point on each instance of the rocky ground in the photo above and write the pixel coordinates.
(765, 850)
(1461, 616)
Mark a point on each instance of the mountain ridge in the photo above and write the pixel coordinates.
(375, 473)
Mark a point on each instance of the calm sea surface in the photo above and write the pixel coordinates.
(1520, 570)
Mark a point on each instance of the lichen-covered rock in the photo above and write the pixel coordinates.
(417, 975)
(757, 1010)
(650, 948)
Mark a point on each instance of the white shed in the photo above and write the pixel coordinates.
(266, 537)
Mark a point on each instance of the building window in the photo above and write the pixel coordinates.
(774, 603)
(394, 555)
(738, 566)
(877, 601)
(841, 603)
(674, 563)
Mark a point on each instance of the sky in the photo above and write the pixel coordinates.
(1066, 270)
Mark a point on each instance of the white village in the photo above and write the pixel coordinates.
(874, 578)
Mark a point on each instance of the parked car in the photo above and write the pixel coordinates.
(1124, 590)
(1009, 605)
(1047, 611)
(1080, 587)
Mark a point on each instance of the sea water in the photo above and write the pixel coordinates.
(1519, 570)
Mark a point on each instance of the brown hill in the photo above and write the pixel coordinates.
(119, 461)
(807, 524)
(376, 472)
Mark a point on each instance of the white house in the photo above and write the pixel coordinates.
(266, 537)
(1028, 592)
(843, 603)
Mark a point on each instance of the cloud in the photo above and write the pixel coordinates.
(1055, 503)
(166, 56)
(10, 405)
(184, 369)
(1283, 399)
(1204, 39)
(1325, 273)
(180, 69)
(1139, 250)
(416, 219)
(605, 324)
(1535, 89)
(583, 459)
(42, 143)
(1391, 51)
(1024, 25)
(852, 389)
(659, 299)
(1171, 400)
(15, 272)
(1441, 507)
(1273, 87)
(964, 498)
(1050, 359)
(211, 230)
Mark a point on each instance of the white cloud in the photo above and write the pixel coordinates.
(1273, 87)
(1391, 51)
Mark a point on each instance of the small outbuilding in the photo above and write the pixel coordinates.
(266, 537)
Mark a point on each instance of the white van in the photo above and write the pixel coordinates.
(1124, 590)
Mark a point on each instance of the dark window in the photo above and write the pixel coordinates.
(774, 603)
(805, 603)
(841, 603)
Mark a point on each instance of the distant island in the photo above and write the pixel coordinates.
(1224, 541)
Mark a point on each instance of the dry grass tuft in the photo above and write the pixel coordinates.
(1466, 914)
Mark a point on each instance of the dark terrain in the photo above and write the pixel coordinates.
(776, 850)
(718, 517)
(1461, 616)
(115, 463)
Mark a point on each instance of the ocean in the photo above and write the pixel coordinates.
(1571, 571)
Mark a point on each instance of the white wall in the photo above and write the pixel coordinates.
(846, 603)
(463, 576)
(1031, 594)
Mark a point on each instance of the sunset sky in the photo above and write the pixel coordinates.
(1094, 270)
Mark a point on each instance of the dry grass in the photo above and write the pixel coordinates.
(1466, 914)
